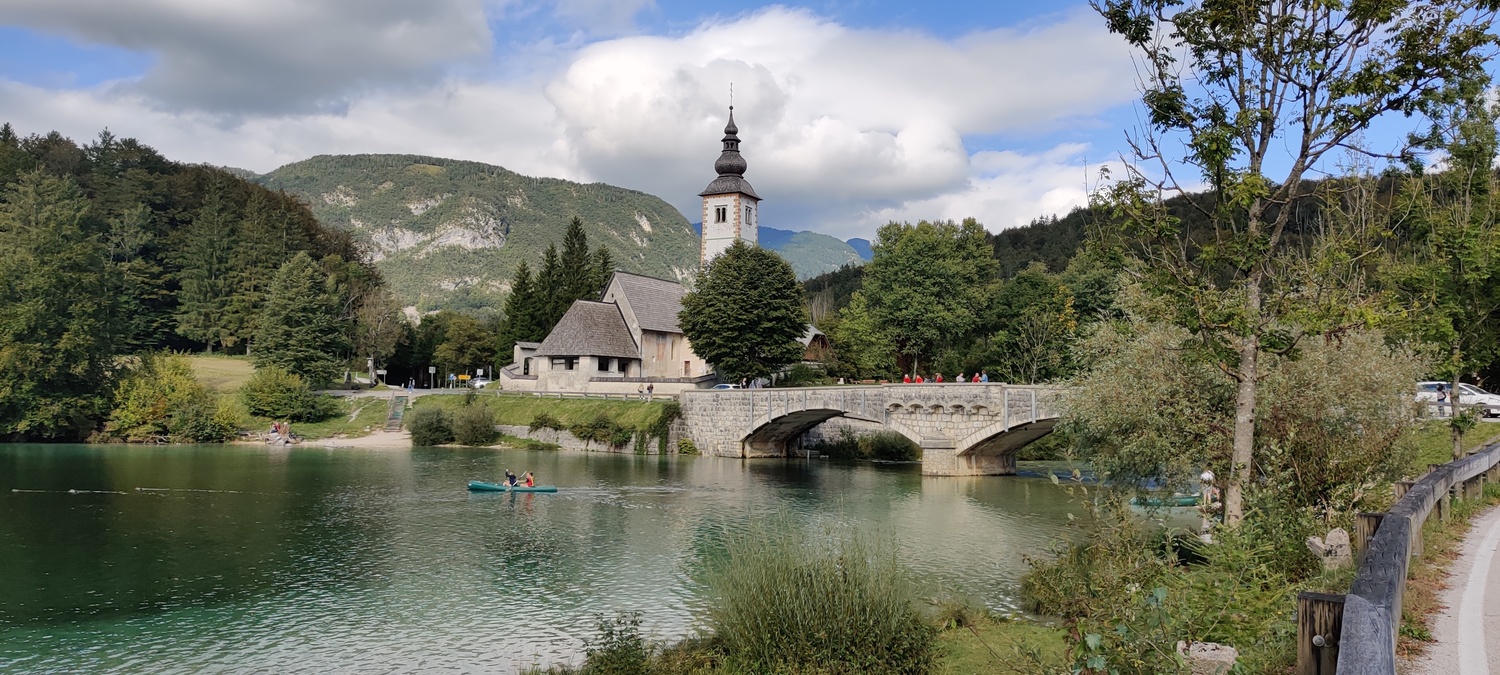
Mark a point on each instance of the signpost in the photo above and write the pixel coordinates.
(431, 375)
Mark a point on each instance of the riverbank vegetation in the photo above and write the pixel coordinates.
(608, 423)
(785, 600)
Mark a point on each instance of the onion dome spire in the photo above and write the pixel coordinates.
(731, 165)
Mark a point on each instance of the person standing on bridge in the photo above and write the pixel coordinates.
(984, 376)
(939, 379)
(906, 379)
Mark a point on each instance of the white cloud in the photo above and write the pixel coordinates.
(255, 56)
(834, 120)
(843, 128)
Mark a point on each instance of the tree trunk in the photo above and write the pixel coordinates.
(1244, 413)
(1453, 409)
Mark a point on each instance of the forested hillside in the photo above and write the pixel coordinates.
(112, 250)
(449, 234)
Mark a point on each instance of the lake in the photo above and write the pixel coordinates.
(176, 559)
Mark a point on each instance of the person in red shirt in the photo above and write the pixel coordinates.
(920, 380)
(530, 480)
(939, 378)
(906, 378)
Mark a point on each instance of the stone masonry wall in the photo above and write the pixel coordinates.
(567, 441)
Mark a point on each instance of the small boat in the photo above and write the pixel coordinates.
(481, 486)
(1174, 500)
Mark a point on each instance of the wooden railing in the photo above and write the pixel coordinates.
(1366, 639)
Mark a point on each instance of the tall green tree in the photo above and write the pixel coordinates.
(580, 276)
(379, 325)
(301, 329)
(259, 250)
(59, 322)
(204, 259)
(604, 267)
(924, 287)
(466, 345)
(551, 287)
(521, 322)
(1453, 276)
(1230, 87)
(745, 317)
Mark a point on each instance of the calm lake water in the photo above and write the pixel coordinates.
(240, 559)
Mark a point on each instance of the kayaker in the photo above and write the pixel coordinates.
(530, 480)
(510, 478)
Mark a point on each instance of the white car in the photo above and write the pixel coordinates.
(726, 385)
(479, 383)
(1468, 394)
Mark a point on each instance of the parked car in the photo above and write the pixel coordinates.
(479, 382)
(1468, 394)
(726, 385)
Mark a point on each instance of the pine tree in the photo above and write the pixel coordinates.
(577, 272)
(258, 254)
(551, 289)
(604, 266)
(145, 312)
(520, 312)
(58, 322)
(204, 260)
(300, 329)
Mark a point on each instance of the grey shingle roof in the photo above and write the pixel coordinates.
(729, 184)
(656, 302)
(591, 329)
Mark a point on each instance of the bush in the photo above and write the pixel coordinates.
(603, 430)
(846, 446)
(474, 425)
(161, 400)
(889, 446)
(618, 648)
(686, 446)
(545, 421)
(840, 603)
(278, 394)
(429, 426)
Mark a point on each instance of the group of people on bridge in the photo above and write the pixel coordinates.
(981, 376)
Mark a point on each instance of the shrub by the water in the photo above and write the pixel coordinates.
(890, 446)
(837, 603)
(602, 429)
(474, 425)
(161, 400)
(618, 648)
(545, 421)
(686, 446)
(279, 394)
(429, 426)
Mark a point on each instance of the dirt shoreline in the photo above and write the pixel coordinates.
(375, 440)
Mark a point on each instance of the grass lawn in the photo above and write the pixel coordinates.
(355, 417)
(521, 410)
(1435, 443)
(223, 374)
(995, 645)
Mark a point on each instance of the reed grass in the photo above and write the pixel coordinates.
(833, 602)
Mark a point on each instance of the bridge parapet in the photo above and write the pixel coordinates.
(963, 428)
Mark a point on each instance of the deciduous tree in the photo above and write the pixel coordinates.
(745, 317)
(1229, 87)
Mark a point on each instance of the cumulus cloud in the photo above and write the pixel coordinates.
(830, 116)
(269, 56)
(843, 128)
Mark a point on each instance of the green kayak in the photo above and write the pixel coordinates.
(481, 486)
(1174, 500)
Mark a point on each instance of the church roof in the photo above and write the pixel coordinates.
(730, 166)
(591, 329)
(656, 302)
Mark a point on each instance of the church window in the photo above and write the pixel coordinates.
(721, 214)
(603, 364)
(747, 214)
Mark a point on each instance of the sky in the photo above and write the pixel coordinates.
(852, 113)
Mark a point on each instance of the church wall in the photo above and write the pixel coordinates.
(617, 296)
(719, 236)
(665, 354)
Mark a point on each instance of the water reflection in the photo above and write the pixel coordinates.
(180, 559)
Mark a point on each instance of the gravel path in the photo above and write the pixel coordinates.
(1467, 631)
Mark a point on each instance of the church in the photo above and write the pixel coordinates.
(629, 337)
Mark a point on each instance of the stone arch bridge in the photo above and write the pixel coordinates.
(964, 429)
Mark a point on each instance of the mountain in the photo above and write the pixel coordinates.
(862, 247)
(449, 234)
(809, 253)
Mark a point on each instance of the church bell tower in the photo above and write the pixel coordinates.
(731, 209)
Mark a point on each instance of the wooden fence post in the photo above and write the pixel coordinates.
(1365, 526)
(1432, 467)
(1400, 488)
(1444, 504)
(1320, 620)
